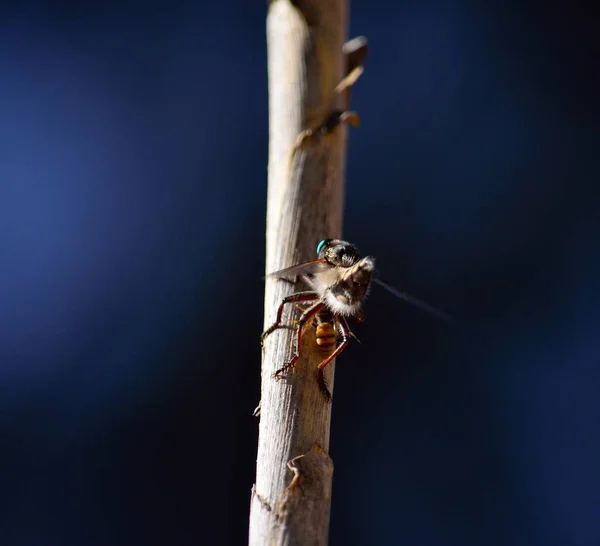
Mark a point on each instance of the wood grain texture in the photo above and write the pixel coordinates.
(292, 495)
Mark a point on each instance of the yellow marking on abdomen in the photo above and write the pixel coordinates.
(326, 338)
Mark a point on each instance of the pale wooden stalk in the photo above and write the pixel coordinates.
(292, 495)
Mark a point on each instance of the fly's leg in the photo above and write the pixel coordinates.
(350, 332)
(301, 307)
(308, 315)
(294, 298)
(323, 386)
(344, 332)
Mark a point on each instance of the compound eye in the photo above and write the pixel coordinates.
(321, 245)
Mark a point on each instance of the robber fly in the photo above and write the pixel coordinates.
(340, 280)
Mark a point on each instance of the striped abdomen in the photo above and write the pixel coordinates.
(326, 338)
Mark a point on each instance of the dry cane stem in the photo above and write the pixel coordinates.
(292, 495)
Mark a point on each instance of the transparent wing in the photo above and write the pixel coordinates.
(314, 266)
(414, 301)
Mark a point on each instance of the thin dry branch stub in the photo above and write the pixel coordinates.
(355, 51)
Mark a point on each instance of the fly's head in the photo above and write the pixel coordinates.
(352, 275)
(337, 253)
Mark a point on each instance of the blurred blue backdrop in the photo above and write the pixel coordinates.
(133, 152)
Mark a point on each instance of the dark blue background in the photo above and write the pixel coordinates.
(133, 152)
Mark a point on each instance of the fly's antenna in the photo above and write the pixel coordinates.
(414, 301)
